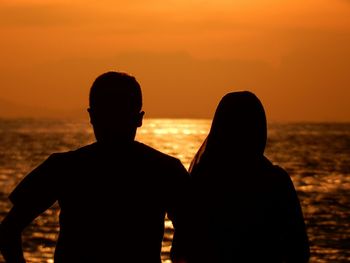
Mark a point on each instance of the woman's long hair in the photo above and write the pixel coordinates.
(238, 132)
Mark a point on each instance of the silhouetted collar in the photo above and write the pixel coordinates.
(115, 145)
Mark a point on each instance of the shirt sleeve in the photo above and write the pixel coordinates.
(38, 190)
(178, 211)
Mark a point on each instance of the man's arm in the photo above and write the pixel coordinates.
(34, 194)
(11, 233)
(177, 211)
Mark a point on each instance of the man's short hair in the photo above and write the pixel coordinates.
(116, 89)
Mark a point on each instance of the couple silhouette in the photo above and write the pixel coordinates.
(233, 205)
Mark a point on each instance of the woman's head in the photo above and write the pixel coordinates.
(239, 126)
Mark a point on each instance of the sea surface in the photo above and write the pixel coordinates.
(316, 155)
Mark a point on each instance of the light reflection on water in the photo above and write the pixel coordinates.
(317, 156)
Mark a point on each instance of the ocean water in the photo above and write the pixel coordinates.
(316, 155)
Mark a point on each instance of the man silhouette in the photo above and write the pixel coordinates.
(113, 194)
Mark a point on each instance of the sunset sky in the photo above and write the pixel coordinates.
(186, 54)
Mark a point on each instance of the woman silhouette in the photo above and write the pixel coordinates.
(245, 209)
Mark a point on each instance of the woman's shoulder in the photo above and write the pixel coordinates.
(279, 171)
(276, 173)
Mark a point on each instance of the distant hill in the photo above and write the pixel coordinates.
(10, 109)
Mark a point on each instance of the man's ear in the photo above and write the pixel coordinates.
(89, 110)
(140, 118)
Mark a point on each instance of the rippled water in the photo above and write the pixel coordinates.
(317, 156)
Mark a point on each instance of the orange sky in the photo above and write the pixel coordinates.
(294, 54)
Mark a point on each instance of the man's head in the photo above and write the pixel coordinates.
(115, 107)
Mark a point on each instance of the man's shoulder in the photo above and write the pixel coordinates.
(153, 154)
(162, 164)
(73, 154)
(146, 154)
